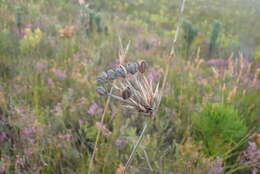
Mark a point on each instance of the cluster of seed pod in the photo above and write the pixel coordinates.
(132, 88)
(120, 72)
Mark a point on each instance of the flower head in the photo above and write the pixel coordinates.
(132, 87)
(94, 109)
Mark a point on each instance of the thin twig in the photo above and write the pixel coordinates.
(135, 147)
(98, 136)
(147, 160)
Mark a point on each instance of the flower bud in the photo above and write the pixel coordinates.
(120, 71)
(126, 93)
(111, 74)
(102, 78)
(101, 90)
(132, 68)
(142, 67)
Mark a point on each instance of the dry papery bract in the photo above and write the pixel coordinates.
(131, 87)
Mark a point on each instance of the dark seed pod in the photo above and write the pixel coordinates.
(132, 68)
(101, 90)
(111, 74)
(102, 78)
(120, 71)
(126, 94)
(142, 67)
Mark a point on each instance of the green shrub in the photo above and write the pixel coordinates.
(92, 20)
(190, 32)
(219, 127)
(214, 37)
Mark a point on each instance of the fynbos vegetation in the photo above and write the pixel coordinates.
(129, 87)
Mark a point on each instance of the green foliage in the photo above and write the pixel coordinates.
(219, 127)
(6, 45)
(190, 32)
(214, 37)
(30, 40)
(18, 15)
(92, 20)
(257, 54)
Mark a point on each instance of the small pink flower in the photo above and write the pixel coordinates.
(3, 136)
(59, 74)
(81, 1)
(94, 109)
(103, 129)
(218, 62)
(153, 76)
(4, 164)
(121, 142)
(50, 82)
(65, 137)
(40, 67)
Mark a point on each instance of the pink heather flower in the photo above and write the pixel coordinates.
(113, 64)
(3, 136)
(20, 160)
(76, 57)
(1, 117)
(153, 76)
(40, 67)
(81, 1)
(218, 62)
(4, 163)
(65, 137)
(217, 167)
(59, 74)
(50, 82)
(121, 142)
(252, 156)
(202, 81)
(94, 109)
(28, 134)
(103, 129)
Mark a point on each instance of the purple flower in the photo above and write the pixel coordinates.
(40, 67)
(28, 134)
(113, 64)
(65, 137)
(103, 129)
(76, 57)
(94, 109)
(3, 136)
(20, 160)
(217, 166)
(4, 164)
(252, 156)
(121, 142)
(218, 62)
(153, 76)
(50, 82)
(59, 74)
(202, 81)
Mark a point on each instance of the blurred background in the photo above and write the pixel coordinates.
(51, 52)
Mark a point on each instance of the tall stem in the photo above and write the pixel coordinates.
(135, 147)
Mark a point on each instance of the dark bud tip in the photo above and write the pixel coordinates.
(142, 67)
(126, 93)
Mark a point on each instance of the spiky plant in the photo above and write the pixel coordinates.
(132, 88)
